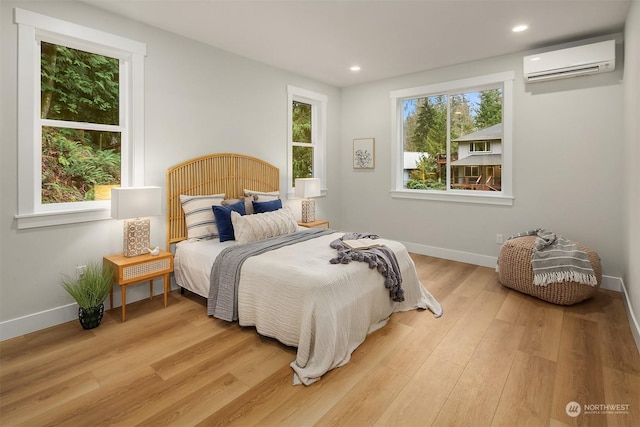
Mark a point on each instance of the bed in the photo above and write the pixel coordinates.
(291, 293)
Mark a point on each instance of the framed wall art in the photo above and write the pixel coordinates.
(364, 153)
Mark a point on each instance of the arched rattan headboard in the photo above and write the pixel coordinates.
(226, 173)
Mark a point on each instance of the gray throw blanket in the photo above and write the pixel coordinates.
(225, 273)
(556, 260)
(380, 257)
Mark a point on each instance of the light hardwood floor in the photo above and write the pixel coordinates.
(495, 358)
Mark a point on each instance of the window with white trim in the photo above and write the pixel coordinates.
(453, 141)
(80, 119)
(307, 112)
(480, 146)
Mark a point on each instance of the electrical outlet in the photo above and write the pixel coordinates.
(80, 270)
(499, 239)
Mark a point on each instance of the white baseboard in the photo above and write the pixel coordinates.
(450, 254)
(633, 321)
(611, 283)
(37, 321)
(45, 319)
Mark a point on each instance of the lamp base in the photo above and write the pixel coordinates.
(137, 237)
(308, 210)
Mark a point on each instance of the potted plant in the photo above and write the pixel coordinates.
(90, 289)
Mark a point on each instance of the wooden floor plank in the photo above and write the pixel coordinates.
(249, 409)
(23, 410)
(367, 400)
(475, 396)
(229, 341)
(192, 406)
(521, 405)
(463, 338)
(543, 328)
(621, 391)
(107, 405)
(579, 371)
(426, 336)
(420, 401)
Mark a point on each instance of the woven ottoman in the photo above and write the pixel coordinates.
(515, 272)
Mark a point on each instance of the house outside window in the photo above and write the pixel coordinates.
(80, 127)
(306, 135)
(463, 131)
(477, 150)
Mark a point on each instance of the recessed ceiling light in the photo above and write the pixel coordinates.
(519, 28)
(355, 68)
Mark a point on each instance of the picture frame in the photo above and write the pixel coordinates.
(364, 153)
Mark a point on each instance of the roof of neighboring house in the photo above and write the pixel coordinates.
(479, 160)
(492, 132)
(411, 158)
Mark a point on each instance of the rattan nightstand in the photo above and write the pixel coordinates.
(131, 270)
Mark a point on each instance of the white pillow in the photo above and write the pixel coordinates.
(198, 215)
(249, 228)
(258, 196)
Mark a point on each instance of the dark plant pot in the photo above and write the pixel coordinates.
(90, 318)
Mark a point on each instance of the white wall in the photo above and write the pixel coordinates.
(198, 100)
(631, 224)
(568, 151)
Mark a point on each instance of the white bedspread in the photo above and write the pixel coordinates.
(193, 261)
(325, 310)
(293, 294)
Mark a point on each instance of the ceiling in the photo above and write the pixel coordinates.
(386, 38)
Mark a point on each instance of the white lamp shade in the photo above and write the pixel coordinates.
(308, 187)
(135, 202)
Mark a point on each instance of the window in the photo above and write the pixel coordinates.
(472, 171)
(480, 146)
(460, 134)
(79, 123)
(80, 128)
(306, 135)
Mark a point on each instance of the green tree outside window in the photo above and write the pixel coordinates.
(78, 87)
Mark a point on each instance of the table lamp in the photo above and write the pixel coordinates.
(132, 204)
(307, 188)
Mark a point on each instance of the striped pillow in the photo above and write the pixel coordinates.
(198, 215)
(250, 228)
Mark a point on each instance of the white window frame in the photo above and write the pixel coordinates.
(32, 29)
(486, 144)
(503, 197)
(318, 104)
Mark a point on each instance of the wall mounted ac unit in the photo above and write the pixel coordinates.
(571, 62)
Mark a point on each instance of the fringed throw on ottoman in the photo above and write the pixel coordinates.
(549, 267)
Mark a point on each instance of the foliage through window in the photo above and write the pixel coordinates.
(302, 143)
(306, 134)
(78, 88)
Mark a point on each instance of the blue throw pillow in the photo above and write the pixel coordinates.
(223, 219)
(272, 205)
